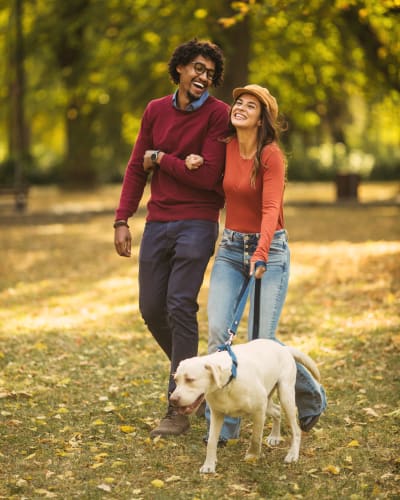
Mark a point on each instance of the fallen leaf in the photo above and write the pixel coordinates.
(157, 483)
(104, 487)
(394, 413)
(109, 408)
(45, 493)
(98, 422)
(173, 479)
(239, 487)
(353, 444)
(97, 465)
(117, 463)
(127, 429)
(332, 469)
(370, 412)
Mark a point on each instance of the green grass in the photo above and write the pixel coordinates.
(82, 382)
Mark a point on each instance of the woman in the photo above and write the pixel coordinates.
(254, 232)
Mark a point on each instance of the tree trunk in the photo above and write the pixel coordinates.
(235, 42)
(78, 166)
(18, 134)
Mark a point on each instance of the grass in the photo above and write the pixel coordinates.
(82, 381)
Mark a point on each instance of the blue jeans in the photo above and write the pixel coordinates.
(229, 276)
(173, 257)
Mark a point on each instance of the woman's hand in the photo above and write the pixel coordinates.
(193, 162)
(258, 268)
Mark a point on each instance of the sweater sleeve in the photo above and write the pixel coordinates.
(135, 177)
(209, 175)
(273, 184)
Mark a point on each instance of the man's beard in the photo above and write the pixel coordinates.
(190, 96)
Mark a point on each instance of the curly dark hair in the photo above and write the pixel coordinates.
(186, 52)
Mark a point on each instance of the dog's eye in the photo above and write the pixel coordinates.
(189, 380)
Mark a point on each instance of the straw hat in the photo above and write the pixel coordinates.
(262, 94)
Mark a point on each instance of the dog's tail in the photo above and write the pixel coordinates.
(305, 360)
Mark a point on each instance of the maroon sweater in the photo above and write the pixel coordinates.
(177, 192)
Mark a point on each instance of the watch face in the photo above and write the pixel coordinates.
(154, 156)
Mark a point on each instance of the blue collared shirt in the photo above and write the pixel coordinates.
(194, 104)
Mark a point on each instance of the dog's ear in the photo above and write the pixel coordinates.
(215, 372)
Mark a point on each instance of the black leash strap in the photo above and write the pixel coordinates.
(256, 318)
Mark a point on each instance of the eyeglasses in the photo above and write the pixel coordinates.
(200, 68)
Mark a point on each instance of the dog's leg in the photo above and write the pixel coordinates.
(287, 399)
(216, 421)
(254, 450)
(274, 411)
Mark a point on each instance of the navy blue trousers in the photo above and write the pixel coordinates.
(173, 258)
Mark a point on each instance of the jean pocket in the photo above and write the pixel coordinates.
(278, 247)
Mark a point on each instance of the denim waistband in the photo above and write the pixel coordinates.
(236, 236)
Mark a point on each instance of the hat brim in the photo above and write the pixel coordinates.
(241, 90)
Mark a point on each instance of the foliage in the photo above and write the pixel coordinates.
(82, 381)
(92, 66)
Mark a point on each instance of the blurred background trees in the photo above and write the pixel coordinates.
(77, 74)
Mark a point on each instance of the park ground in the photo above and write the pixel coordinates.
(82, 381)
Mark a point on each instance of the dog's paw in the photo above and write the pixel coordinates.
(291, 457)
(207, 468)
(273, 440)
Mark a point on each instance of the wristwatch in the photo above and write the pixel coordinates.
(154, 156)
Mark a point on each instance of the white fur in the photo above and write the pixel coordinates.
(263, 366)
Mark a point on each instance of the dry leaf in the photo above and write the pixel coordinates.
(394, 413)
(97, 465)
(98, 422)
(45, 493)
(127, 429)
(370, 412)
(332, 469)
(109, 408)
(157, 483)
(104, 487)
(353, 444)
(172, 479)
(117, 463)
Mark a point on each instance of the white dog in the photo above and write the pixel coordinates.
(262, 366)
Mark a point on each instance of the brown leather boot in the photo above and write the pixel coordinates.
(173, 424)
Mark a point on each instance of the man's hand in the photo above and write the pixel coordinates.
(148, 163)
(123, 241)
(193, 162)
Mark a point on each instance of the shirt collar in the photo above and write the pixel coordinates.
(194, 104)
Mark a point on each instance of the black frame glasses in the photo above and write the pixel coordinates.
(200, 68)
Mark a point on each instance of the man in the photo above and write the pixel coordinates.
(182, 219)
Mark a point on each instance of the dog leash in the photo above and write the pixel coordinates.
(236, 320)
(256, 316)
